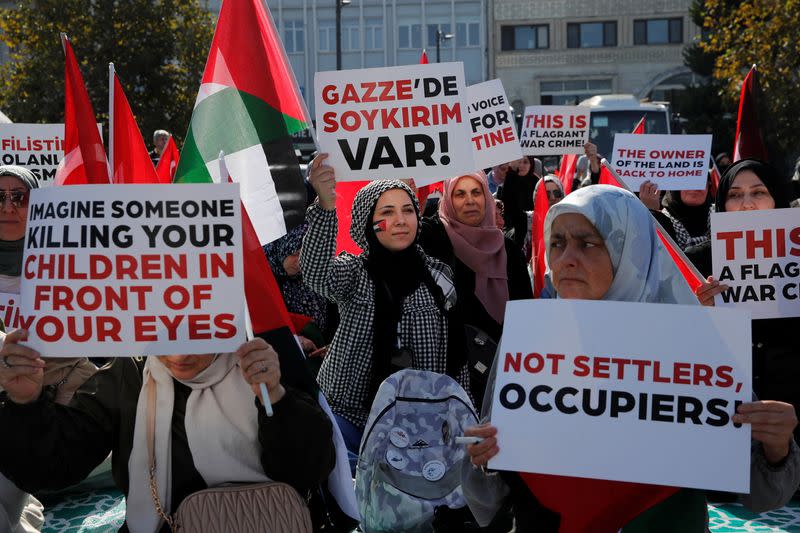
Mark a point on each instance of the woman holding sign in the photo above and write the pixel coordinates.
(19, 511)
(746, 186)
(602, 245)
(393, 299)
(210, 428)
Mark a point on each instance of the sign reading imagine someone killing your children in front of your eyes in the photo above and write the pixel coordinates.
(396, 122)
(121, 270)
(757, 254)
(614, 404)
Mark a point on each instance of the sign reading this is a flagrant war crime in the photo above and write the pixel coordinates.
(554, 130)
(614, 400)
(757, 254)
(37, 147)
(673, 162)
(121, 270)
(397, 122)
(494, 136)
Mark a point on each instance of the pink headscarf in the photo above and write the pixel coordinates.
(481, 248)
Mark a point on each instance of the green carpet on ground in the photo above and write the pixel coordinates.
(101, 511)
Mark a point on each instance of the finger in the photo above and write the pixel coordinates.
(16, 336)
(253, 371)
(253, 344)
(318, 160)
(765, 405)
(258, 362)
(761, 418)
(270, 377)
(19, 350)
(482, 446)
(483, 459)
(9, 374)
(20, 360)
(483, 430)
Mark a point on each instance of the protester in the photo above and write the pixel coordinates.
(517, 196)
(209, 427)
(489, 268)
(753, 185)
(284, 259)
(689, 213)
(160, 139)
(723, 161)
(497, 177)
(592, 175)
(61, 376)
(795, 193)
(555, 193)
(392, 298)
(499, 215)
(591, 255)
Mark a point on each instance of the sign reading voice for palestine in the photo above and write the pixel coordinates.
(121, 270)
(37, 147)
(554, 130)
(673, 162)
(395, 122)
(494, 136)
(757, 254)
(629, 398)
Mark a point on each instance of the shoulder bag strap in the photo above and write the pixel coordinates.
(151, 450)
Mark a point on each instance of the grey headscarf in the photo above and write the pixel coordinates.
(11, 251)
(643, 269)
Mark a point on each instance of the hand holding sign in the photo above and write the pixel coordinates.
(323, 180)
(772, 424)
(259, 364)
(480, 453)
(706, 291)
(21, 369)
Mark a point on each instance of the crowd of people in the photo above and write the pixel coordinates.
(427, 293)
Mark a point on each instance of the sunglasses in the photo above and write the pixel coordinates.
(18, 198)
(555, 195)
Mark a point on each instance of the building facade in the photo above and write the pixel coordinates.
(379, 33)
(564, 51)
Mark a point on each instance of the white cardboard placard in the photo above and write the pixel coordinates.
(394, 122)
(554, 352)
(554, 130)
(757, 254)
(123, 270)
(673, 162)
(494, 136)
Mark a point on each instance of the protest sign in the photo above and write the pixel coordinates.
(494, 137)
(612, 401)
(397, 122)
(37, 147)
(757, 254)
(128, 270)
(673, 162)
(554, 130)
(9, 311)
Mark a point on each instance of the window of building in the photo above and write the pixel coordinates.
(569, 92)
(409, 36)
(351, 35)
(591, 34)
(468, 34)
(658, 31)
(373, 34)
(525, 37)
(327, 36)
(293, 36)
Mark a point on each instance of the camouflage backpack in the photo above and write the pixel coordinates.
(409, 463)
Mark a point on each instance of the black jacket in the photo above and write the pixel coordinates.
(54, 446)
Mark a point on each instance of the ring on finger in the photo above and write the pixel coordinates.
(6, 364)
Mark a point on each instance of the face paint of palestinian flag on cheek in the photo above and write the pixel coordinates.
(379, 226)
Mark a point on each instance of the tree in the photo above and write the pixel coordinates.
(763, 32)
(158, 47)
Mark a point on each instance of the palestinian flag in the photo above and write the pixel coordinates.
(248, 107)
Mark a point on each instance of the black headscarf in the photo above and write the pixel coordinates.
(11, 251)
(765, 172)
(693, 217)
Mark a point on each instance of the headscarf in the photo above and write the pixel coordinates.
(221, 423)
(11, 251)
(693, 217)
(481, 248)
(396, 275)
(550, 178)
(643, 269)
(765, 172)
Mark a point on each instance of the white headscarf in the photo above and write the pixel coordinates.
(221, 428)
(643, 269)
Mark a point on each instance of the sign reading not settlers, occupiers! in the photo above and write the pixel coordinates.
(397, 122)
(120, 270)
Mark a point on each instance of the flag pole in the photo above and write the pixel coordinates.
(664, 235)
(111, 121)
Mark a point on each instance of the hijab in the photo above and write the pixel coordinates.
(693, 217)
(550, 178)
(765, 172)
(11, 251)
(221, 423)
(643, 269)
(481, 249)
